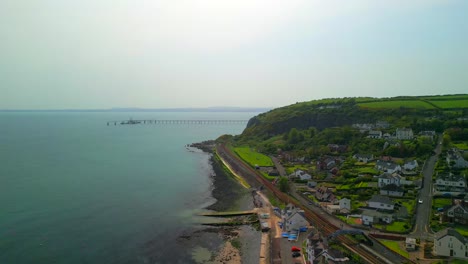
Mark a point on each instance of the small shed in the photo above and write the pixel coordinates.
(410, 244)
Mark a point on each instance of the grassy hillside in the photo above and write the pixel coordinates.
(412, 111)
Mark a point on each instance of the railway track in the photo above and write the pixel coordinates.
(326, 227)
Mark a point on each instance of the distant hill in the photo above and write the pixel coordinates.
(419, 111)
(134, 109)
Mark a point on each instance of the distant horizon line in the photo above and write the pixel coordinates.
(138, 109)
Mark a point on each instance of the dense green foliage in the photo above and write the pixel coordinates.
(307, 128)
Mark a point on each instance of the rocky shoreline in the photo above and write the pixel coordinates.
(229, 195)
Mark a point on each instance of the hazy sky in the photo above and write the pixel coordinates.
(199, 53)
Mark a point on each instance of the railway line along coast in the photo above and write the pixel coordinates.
(327, 227)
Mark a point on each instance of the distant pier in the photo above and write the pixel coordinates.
(175, 121)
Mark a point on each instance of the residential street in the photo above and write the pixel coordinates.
(423, 211)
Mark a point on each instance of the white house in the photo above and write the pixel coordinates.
(305, 177)
(454, 156)
(450, 182)
(345, 205)
(381, 202)
(450, 243)
(293, 218)
(363, 157)
(392, 190)
(404, 133)
(389, 178)
(411, 165)
(375, 134)
(370, 217)
(386, 166)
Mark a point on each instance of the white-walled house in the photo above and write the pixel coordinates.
(386, 166)
(455, 156)
(450, 182)
(370, 217)
(411, 165)
(345, 204)
(381, 202)
(404, 133)
(375, 134)
(450, 243)
(392, 190)
(293, 218)
(389, 178)
(305, 177)
(363, 157)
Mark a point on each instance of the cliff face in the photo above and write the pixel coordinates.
(323, 115)
(281, 120)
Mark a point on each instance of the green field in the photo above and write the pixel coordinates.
(441, 202)
(445, 97)
(397, 104)
(463, 230)
(395, 246)
(396, 227)
(444, 104)
(252, 157)
(462, 146)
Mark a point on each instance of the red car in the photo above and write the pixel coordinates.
(295, 249)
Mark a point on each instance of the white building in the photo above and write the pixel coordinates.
(345, 204)
(293, 218)
(370, 217)
(411, 165)
(386, 166)
(389, 178)
(450, 182)
(404, 133)
(450, 243)
(375, 134)
(381, 202)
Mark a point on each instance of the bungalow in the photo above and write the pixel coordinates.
(363, 157)
(404, 133)
(375, 134)
(411, 165)
(455, 159)
(458, 214)
(389, 167)
(381, 202)
(450, 243)
(450, 182)
(370, 217)
(392, 190)
(305, 177)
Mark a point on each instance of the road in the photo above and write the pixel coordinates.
(423, 211)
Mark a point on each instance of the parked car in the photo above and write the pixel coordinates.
(296, 254)
(420, 201)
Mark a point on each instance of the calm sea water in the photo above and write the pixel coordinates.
(74, 190)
